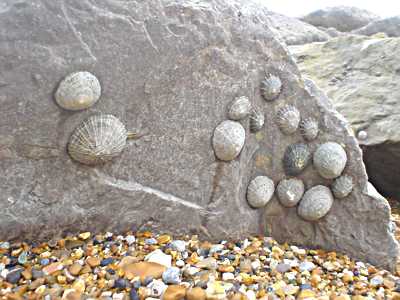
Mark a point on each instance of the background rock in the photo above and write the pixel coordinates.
(293, 31)
(168, 70)
(389, 26)
(367, 93)
(343, 18)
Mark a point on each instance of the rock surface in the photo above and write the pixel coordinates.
(168, 70)
(343, 18)
(293, 31)
(389, 26)
(366, 93)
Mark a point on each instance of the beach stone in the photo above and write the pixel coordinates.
(209, 263)
(159, 257)
(75, 268)
(172, 275)
(174, 292)
(196, 293)
(342, 18)
(140, 54)
(157, 288)
(178, 245)
(14, 275)
(144, 269)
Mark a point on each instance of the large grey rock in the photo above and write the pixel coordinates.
(367, 93)
(389, 26)
(343, 18)
(168, 70)
(293, 31)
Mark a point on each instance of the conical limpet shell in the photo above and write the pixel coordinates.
(288, 119)
(309, 129)
(271, 87)
(97, 140)
(342, 186)
(296, 159)
(329, 160)
(228, 140)
(260, 191)
(78, 91)
(257, 120)
(315, 203)
(239, 109)
(290, 191)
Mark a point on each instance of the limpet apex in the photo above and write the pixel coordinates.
(77, 91)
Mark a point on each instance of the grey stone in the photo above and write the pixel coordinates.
(172, 275)
(369, 102)
(168, 69)
(315, 203)
(306, 266)
(389, 26)
(283, 268)
(342, 18)
(178, 245)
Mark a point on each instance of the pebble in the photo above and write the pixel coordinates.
(172, 275)
(118, 267)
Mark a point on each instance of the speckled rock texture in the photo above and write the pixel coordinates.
(168, 70)
(342, 18)
(389, 26)
(367, 93)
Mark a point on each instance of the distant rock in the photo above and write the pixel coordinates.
(343, 18)
(293, 31)
(389, 26)
(366, 93)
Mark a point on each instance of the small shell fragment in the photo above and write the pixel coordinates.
(77, 91)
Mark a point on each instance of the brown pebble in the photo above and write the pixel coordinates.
(93, 261)
(196, 293)
(52, 268)
(36, 283)
(238, 296)
(71, 294)
(27, 274)
(75, 268)
(175, 292)
(144, 269)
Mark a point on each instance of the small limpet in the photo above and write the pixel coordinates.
(330, 160)
(240, 108)
(288, 119)
(228, 140)
(257, 120)
(296, 159)
(342, 186)
(309, 129)
(77, 91)
(316, 203)
(271, 87)
(260, 191)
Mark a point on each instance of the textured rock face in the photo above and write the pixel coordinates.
(366, 93)
(389, 26)
(168, 70)
(293, 31)
(343, 18)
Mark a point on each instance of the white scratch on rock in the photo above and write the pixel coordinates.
(77, 34)
(146, 32)
(133, 186)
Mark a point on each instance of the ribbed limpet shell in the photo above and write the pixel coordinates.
(309, 129)
(288, 119)
(271, 87)
(296, 159)
(77, 91)
(239, 109)
(257, 119)
(97, 140)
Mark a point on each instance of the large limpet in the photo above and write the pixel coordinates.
(316, 203)
(330, 160)
(228, 140)
(260, 191)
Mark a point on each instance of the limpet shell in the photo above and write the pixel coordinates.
(77, 91)
(296, 159)
(290, 191)
(316, 203)
(260, 191)
(342, 186)
(257, 120)
(240, 108)
(271, 87)
(228, 140)
(309, 129)
(330, 160)
(97, 140)
(288, 119)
